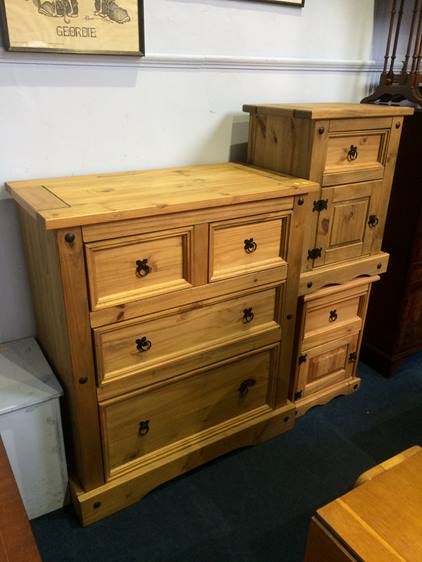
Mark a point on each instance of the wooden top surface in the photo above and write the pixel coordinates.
(17, 543)
(75, 201)
(381, 520)
(329, 110)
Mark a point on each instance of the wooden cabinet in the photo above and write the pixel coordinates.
(394, 325)
(166, 303)
(350, 150)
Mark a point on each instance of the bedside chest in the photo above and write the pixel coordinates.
(166, 303)
(350, 150)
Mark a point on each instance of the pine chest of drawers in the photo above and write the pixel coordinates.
(166, 303)
(350, 150)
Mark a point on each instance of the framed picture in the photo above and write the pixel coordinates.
(109, 27)
(299, 3)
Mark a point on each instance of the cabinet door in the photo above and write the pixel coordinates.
(350, 225)
(326, 365)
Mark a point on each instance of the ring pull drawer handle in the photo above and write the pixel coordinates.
(373, 221)
(245, 385)
(353, 153)
(143, 427)
(250, 246)
(248, 315)
(142, 268)
(333, 315)
(143, 344)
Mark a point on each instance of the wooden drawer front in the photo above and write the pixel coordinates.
(334, 312)
(326, 365)
(123, 350)
(130, 268)
(354, 156)
(150, 420)
(252, 244)
(350, 225)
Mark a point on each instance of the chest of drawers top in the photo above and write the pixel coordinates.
(97, 199)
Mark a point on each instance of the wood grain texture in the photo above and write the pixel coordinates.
(58, 285)
(322, 546)
(17, 543)
(194, 403)
(366, 518)
(315, 111)
(254, 427)
(112, 197)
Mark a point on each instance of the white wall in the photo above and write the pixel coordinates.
(181, 104)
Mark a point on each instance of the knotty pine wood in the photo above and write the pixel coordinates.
(251, 428)
(211, 197)
(58, 284)
(17, 543)
(110, 197)
(190, 408)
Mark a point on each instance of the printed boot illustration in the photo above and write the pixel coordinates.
(109, 9)
(58, 8)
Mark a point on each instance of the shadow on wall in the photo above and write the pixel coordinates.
(16, 317)
(239, 139)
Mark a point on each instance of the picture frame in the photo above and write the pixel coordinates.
(297, 3)
(97, 27)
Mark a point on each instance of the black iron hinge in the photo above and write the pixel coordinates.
(302, 358)
(298, 394)
(352, 357)
(320, 205)
(314, 253)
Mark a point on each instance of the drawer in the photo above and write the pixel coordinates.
(137, 425)
(140, 346)
(245, 245)
(334, 312)
(133, 267)
(353, 156)
(326, 365)
(350, 222)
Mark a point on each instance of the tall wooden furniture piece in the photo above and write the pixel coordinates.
(394, 324)
(166, 303)
(350, 150)
(378, 520)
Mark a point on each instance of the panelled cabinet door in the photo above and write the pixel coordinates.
(349, 222)
(325, 365)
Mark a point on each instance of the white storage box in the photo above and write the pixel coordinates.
(30, 426)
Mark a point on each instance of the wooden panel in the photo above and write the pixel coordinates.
(328, 110)
(323, 396)
(116, 275)
(138, 425)
(367, 518)
(347, 228)
(17, 543)
(113, 197)
(322, 546)
(176, 334)
(252, 244)
(127, 311)
(360, 124)
(369, 161)
(253, 427)
(64, 334)
(338, 273)
(327, 365)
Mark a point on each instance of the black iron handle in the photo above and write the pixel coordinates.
(250, 246)
(333, 315)
(143, 344)
(373, 220)
(245, 385)
(353, 153)
(248, 315)
(143, 427)
(142, 268)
